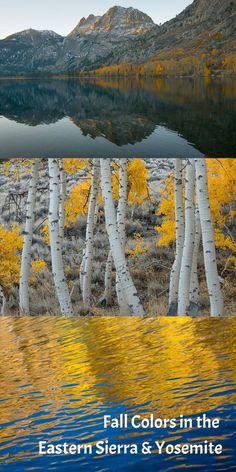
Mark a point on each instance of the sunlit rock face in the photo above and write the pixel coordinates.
(96, 39)
(116, 21)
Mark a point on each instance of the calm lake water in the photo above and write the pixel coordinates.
(58, 377)
(111, 118)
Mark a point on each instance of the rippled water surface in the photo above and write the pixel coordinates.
(58, 377)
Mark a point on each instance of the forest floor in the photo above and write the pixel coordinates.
(150, 268)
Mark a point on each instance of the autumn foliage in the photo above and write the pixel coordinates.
(77, 203)
(222, 191)
(201, 58)
(10, 246)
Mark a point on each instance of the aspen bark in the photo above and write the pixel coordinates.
(108, 280)
(213, 283)
(123, 274)
(81, 272)
(62, 200)
(180, 230)
(194, 283)
(28, 236)
(82, 265)
(55, 240)
(122, 203)
(3, 301)
(121, 216)
(189, 239)
(88, 257)
(96, 209)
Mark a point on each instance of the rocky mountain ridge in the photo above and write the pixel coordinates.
(204, 21)
(117, 20)
(120, 35)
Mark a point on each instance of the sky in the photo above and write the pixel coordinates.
(62, 15)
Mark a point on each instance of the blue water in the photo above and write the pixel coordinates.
(59, 377)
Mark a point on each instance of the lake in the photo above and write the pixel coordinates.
(117, 118)
(59, 377)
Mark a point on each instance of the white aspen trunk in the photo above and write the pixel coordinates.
(81, 272)
(124, 277)
(213, 283)
(122, 203)
(55, 240)
(62, 200)
(96, 211)
(108, 280)
(194, 283)
(88, 257)
(121, 216)
(179, 219)
(27, 245)
(189, 239)
(3, 301)
(82, 265)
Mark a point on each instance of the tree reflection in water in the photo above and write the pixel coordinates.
(126, 112)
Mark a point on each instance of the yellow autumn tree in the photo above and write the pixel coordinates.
(222, 191)
(11, 243)
(77, 203)
(75, 165)
(10, 247)
(137, 175)
(17, 167)
(138, 191)
(78, 200)
(166, 209)
(37, 267)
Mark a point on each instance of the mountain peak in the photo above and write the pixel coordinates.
(32, 34)
(117, 20)
(85, 25)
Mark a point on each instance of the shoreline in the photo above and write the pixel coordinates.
(117, 77)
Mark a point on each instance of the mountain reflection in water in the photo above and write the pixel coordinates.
(152, 118)
(59, 377)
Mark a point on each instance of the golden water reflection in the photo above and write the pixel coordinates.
(50, 366)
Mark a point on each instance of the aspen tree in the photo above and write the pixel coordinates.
(62, 199)
(28, 235)
(121, 216)
(81, 271)
(194, 283)
(55, 240)
(180, 230)
(189, 239)
(88, 254)
(123, 274)
(122, 202)
(209, 251)
(3, 301)
(108, 280)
